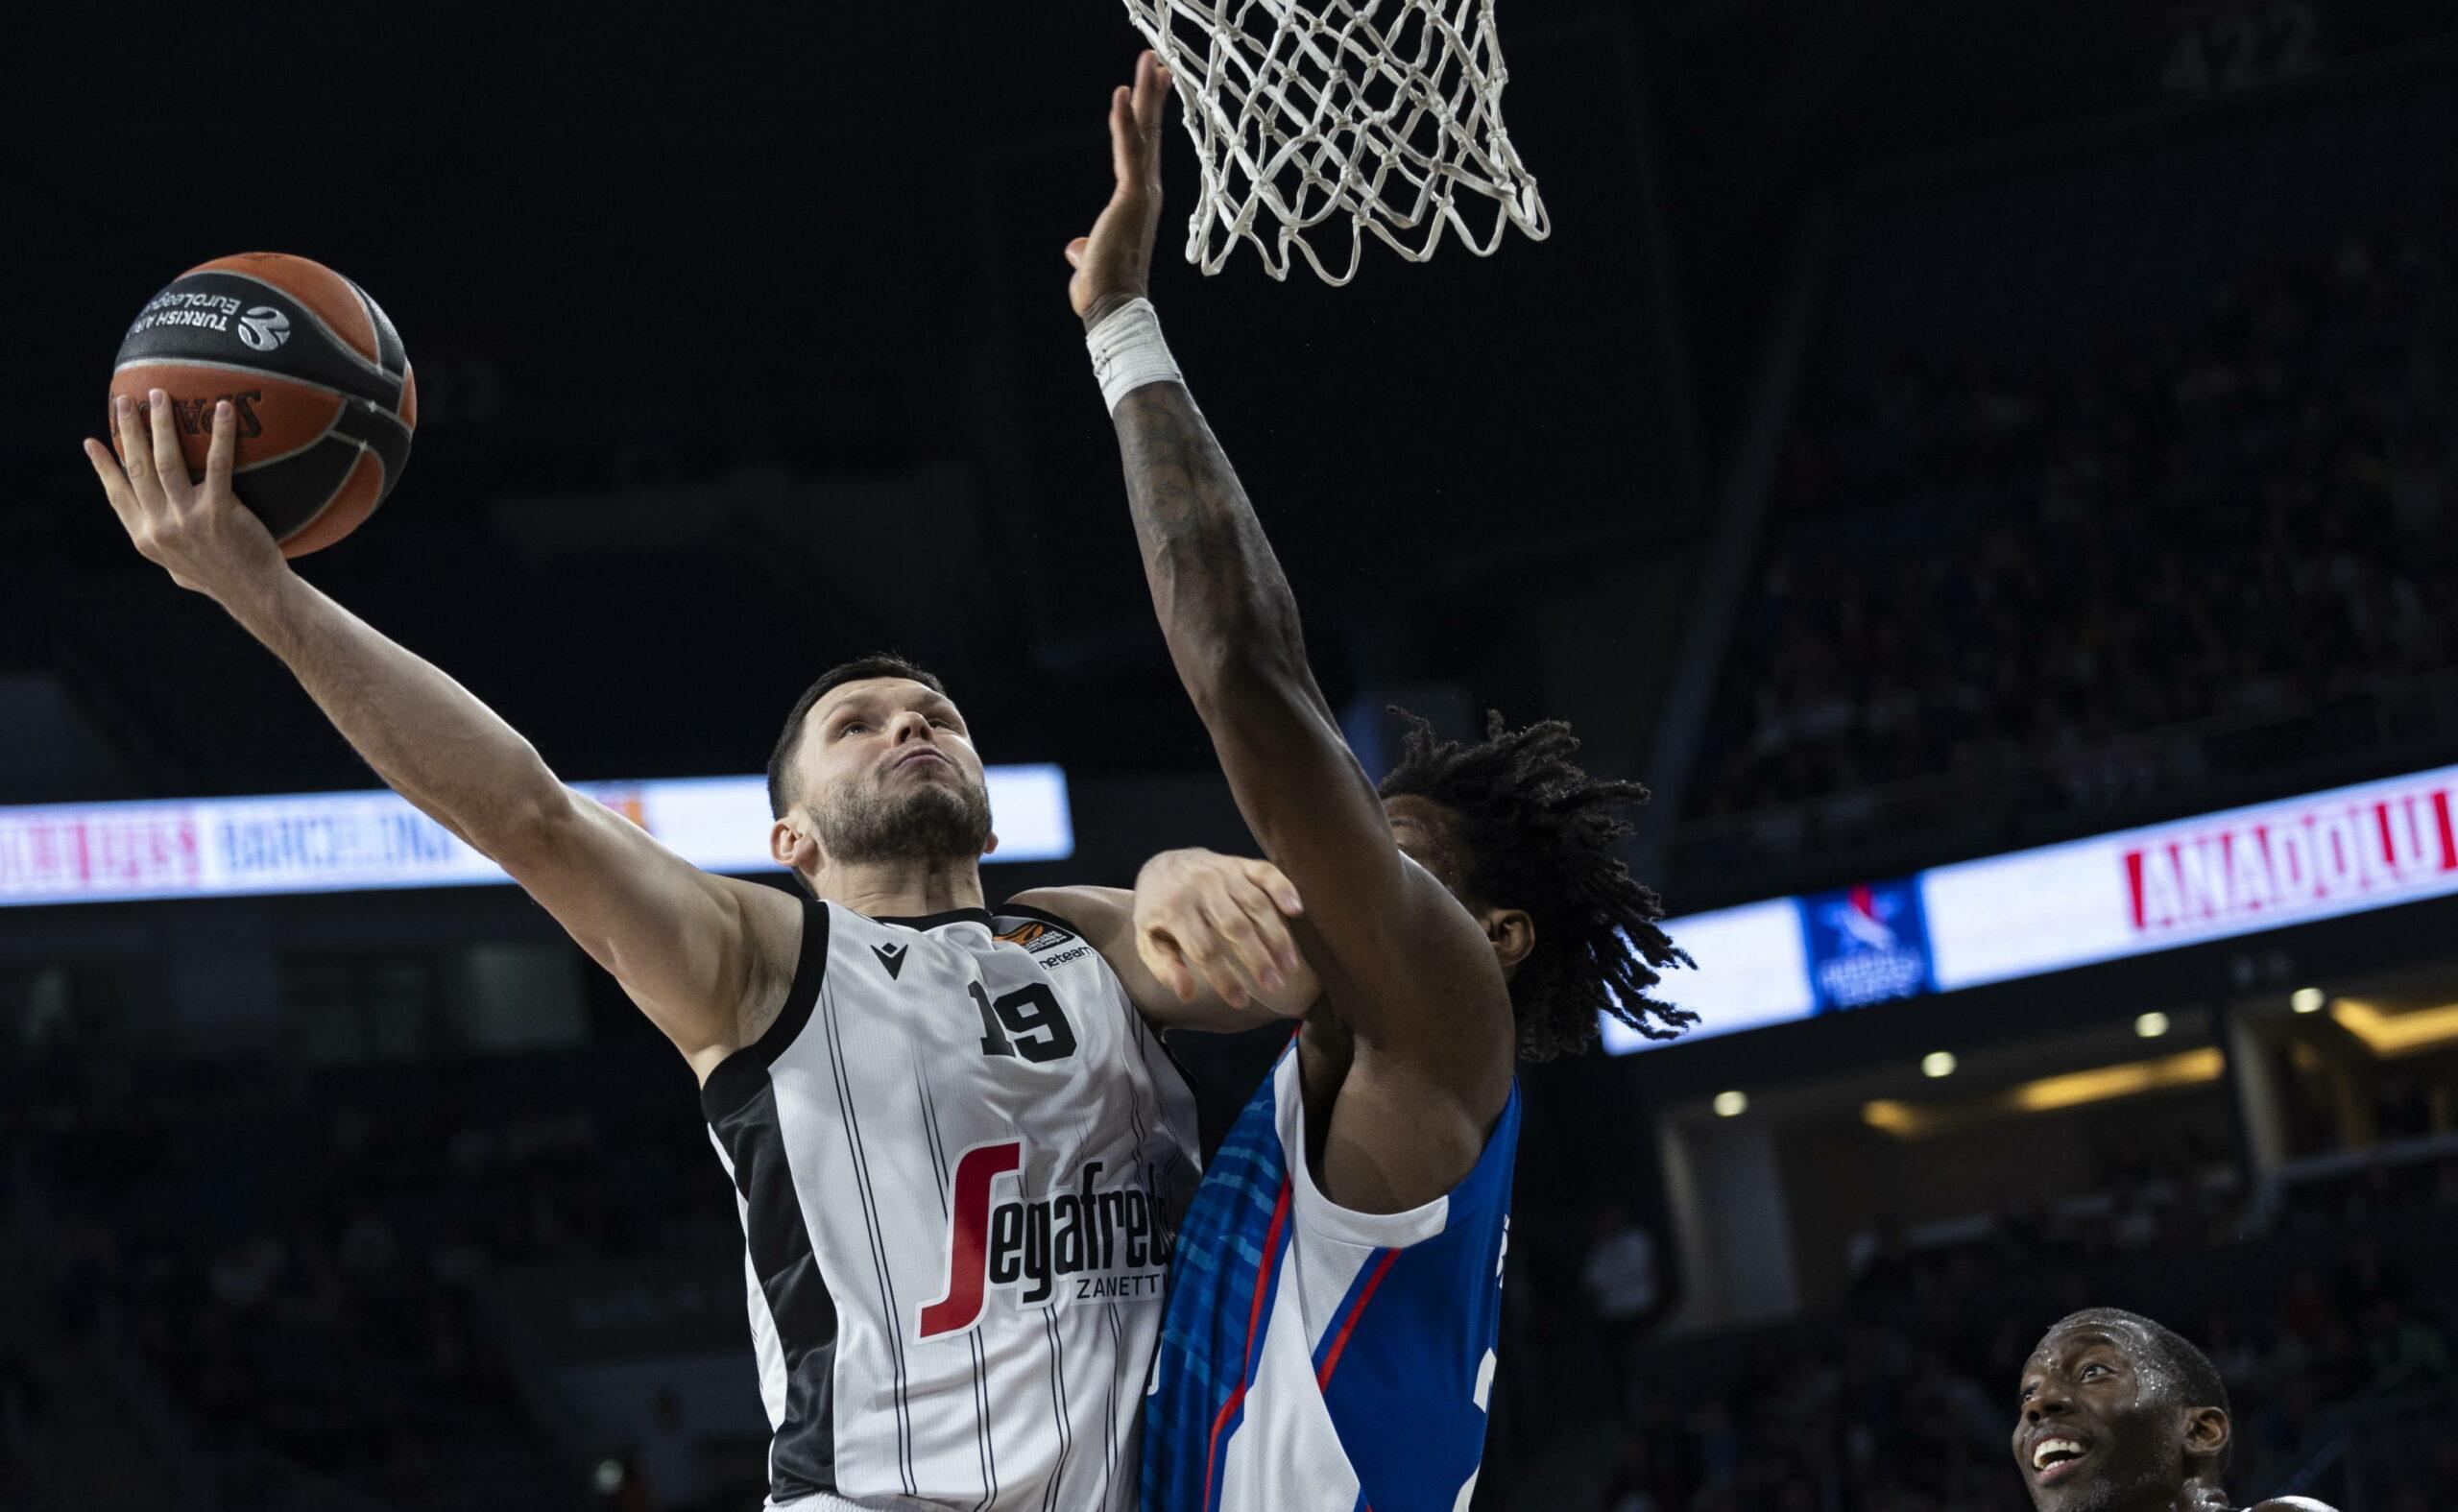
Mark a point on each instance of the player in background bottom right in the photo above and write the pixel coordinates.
(2117, 1413)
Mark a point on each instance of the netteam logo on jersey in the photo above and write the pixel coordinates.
(1080, 1243)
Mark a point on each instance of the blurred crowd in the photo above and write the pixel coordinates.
(300, 1260)
(1908, 1406)
(2055, 577)
(294, 1257)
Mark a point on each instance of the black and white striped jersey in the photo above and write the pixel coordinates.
(960, 1157)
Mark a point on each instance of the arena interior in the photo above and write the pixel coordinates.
(1992, 472)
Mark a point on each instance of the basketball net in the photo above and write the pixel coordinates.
(1309, 115)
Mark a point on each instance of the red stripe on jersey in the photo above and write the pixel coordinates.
(968, 1236)
(1330, 1360)
(1254, 1326)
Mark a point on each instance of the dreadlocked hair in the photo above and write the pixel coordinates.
(1537, 833)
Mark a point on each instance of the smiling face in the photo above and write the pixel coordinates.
(2105, 1425)
(886, 772)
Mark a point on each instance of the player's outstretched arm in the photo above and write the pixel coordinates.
(1201, 943)
(699, 953)
(1412, 976)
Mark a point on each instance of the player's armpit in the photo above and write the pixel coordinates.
(707, 958)
(1105, 917)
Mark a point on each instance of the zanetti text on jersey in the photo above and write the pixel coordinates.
(1114, 1243)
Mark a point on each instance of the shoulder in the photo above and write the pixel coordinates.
(1093, 912)
(1057, 926)
(789, 937)
(775, 920)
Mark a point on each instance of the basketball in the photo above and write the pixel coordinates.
(317, 376)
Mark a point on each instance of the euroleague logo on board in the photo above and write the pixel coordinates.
(264, 327)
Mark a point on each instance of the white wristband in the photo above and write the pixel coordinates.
(1128, 352)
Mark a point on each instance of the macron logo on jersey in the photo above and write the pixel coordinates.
(891, 956)
(1112, 1243)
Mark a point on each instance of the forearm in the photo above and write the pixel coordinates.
(1222, 600)
(1179, 950)
(425, 735)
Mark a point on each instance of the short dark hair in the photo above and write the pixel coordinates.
(1538, 833)
(780, 760)
(2174, 1354)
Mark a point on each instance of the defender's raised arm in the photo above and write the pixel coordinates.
(702, 955)
(1409, 972)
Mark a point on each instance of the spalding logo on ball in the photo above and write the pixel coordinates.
(315, 377)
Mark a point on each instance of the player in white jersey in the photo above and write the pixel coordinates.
(960, 1152)
(962, 1157)
(1336, 1291)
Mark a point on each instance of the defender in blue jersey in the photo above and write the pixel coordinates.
(1330, 1332)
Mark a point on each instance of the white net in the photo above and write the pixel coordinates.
(1322, 120)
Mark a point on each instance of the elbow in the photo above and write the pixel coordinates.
(1237, 672)
(1225, 615)
(537, 823)
(1296, 998)
(1241, 646)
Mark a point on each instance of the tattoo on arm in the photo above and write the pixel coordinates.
(1215, 583)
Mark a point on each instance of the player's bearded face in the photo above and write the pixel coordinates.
(946, 816)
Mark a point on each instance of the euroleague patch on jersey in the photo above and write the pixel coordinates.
(1036, 935)
(1085, 1242)
(1042, 939)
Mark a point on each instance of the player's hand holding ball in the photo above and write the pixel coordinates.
(198, 530)
(1114, 264)
(1207, 920)
(311, 373)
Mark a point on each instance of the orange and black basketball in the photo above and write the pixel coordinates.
(317, 376)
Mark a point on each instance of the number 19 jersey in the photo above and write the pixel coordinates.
(960, 1157)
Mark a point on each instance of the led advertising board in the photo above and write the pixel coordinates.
(373, 841)
(1753, 971)
(2216, 876)
(2213, 877)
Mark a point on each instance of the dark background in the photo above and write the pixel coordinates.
(1930, 429)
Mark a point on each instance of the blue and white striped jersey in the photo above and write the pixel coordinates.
(1315, 1359)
